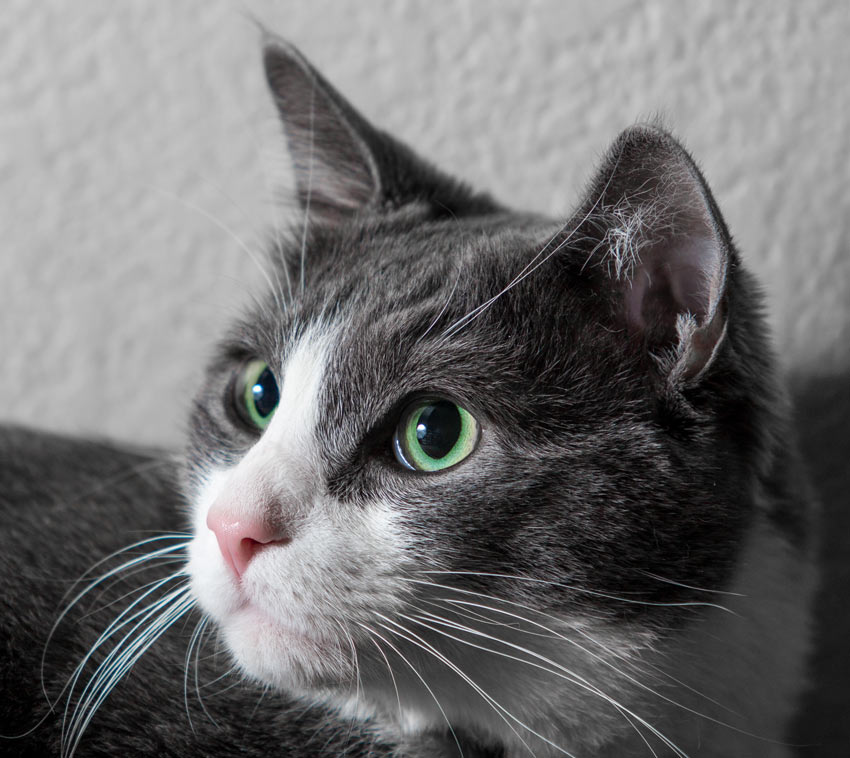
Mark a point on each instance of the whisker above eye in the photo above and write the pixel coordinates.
(537, 261)
(276, 292)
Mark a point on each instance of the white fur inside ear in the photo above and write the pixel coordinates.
(670, 266)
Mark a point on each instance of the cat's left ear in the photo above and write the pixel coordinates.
(343, 165)
(660, 244)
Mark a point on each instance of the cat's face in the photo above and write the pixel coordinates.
(466, 451)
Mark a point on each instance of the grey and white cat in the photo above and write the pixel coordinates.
(474, 481)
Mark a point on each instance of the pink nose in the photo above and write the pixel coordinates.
(241, 537)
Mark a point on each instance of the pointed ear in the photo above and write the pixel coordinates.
(335, 171)
(343, 165)
(664, 249)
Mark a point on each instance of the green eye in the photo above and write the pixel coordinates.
(434, 435)
(256, 394)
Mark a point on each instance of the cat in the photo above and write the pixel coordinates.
(468, 481)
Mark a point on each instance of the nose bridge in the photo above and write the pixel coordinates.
(278, 468)
(272, 482)
(272, 489)
(266, 496)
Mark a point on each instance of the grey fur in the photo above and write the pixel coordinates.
(635, 435)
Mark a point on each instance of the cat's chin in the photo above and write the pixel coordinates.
(282, 655)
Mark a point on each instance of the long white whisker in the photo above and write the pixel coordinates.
(600, 659)
(481, 618)
(176, 536)
(120, 660)
(669, 676)
(152, 588)
(229, 687)
(356, 680)
(160, 562)
(419, 676)
(597, 657)
(113, 572)
(573, 588)
(583, 682)
(138, 618)
(569, 641)
(197, 673)
(281, 303)
(259, 702)
(120, 622)
(639, 733)
(109, 677)
(559, 670)
(552, 633)
(196, 633)
(132, 472)
(498, 709)
(370, 634)
(234, 667)
(691, 586)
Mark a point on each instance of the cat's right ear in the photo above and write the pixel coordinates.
(343, 165)
(660, 249)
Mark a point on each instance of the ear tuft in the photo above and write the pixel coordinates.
(664, 248)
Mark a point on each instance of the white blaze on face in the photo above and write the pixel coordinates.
(282, 468)
(281, 615)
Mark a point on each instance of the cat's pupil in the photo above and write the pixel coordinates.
(438, 428)
(265, 393)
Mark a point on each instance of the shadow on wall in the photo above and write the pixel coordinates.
(823, 420)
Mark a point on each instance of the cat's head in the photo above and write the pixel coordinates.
(461, 455)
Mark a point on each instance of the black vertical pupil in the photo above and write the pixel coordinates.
(438, 428)
(265, 393)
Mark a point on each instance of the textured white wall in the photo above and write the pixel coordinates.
(134, 141)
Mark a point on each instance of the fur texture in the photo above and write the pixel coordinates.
(622, 565)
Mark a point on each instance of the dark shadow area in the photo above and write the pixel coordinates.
(823, 420)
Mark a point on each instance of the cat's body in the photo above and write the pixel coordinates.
(473, 479)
